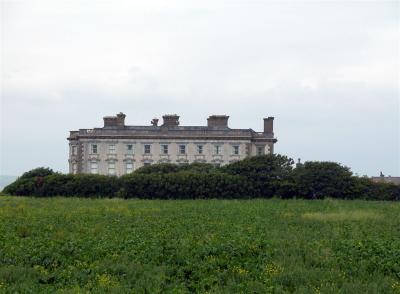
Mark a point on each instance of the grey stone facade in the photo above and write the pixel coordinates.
(118, 149)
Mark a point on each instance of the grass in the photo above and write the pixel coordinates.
(76, 245)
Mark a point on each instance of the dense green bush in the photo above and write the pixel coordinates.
(21, 187)
(261, 176)
(184, 184)
(317, 180)
(37, 172)
(161, 168)
(265, 173)
(79, 185)
(365, 188)
(165, 168)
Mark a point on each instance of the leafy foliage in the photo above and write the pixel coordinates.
(184, 185)
(317, 180)
(261, 176)
(165, 168)
(265, 172)
(37, 172)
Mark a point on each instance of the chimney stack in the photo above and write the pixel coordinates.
(171, 120)
(269, 125)
(217, 121)
(154, 122)
(117, 121)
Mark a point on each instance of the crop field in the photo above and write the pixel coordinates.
(72, 245)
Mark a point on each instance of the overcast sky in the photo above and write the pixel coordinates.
(327, 71)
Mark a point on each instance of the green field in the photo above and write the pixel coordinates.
(205, 246)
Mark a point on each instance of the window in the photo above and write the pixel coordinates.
(182, 149)
(129, 149)
(200, 149)
(93, 167)
(146, 163)
(111, 168)
(147, 149)
(164, 149)
(217, 149)
(260, 150)
(235, 150)
(74, 149)
(129, 167)
(94, 148)
(74, 168)
(111, 149)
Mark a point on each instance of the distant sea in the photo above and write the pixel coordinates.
(5, 180)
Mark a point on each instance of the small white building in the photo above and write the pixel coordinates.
(117, 149)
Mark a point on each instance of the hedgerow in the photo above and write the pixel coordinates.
(256, 177)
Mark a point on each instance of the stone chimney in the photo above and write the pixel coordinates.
(269, 125)
(217, 121)
(170, 120)
(154, 122)
(117, 121)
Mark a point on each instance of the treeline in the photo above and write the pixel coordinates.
(256, 177)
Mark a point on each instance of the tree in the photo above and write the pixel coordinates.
(266, 172)
(317, 180)
(37, 172)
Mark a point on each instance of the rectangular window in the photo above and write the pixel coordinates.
(129, 149)
(182, 149)
(147, 149)
(129, 167)
(94, 149)
(74, 168)
(146, 163)
(217, 149)
(164, 149)
(93, 167)
(260, 150)
(235, 150)
(111, 168)
(74, 150)
(111, 148)
(200, 149)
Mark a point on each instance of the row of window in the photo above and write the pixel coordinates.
(164, 149)
(94, 167)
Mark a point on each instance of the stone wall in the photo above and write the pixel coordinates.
(122, 156)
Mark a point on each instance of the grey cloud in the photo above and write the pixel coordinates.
(328, 72)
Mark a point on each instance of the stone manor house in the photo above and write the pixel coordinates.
(118, 149)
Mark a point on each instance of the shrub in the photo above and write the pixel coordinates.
(21, 187)
(260, 176)
(265, 173)
(161, 168)
(93, 185)
(37, 172)
(317, 180)
(165, 168)
(365, 188)
(184, 185)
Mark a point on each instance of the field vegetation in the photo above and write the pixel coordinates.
(77, 245)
